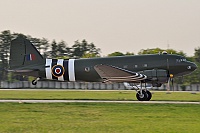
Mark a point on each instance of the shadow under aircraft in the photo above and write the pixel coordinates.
(155, 69)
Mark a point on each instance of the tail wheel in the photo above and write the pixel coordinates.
(141, 97)
(34, 82)
(149, 95)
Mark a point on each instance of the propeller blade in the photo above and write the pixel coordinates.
(168, 85)
(172, 80)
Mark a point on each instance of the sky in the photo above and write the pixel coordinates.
(112, 25)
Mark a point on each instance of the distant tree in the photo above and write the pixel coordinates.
(81, 49)
(158, 50)
(78, 49)
(44, 47)
(90, 55)
(5, 40)
(54, 49)
(197, 54)
(150, 51)
(61, 48)
(15, 35)
(120, 54)
(116, 54)
(68, 52)
(128, 53)
(93, 50)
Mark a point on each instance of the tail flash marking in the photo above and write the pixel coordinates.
(30, 57)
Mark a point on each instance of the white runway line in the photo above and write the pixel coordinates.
(94, 101)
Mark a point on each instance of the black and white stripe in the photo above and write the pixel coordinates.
(53, 63)
(135, 78)
(68, 72)
(71, 70)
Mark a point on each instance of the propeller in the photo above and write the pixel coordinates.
(171, 76)
(171, 79)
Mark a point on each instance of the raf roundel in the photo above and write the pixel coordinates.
(58, 70)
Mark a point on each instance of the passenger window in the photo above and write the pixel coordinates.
(87, 69)
(136, 66)
(125, 66)
(145, 65)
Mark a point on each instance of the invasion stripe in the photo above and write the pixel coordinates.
(66, 75)
(60, 62)
(54, 62)
(48, 68)
(71, 70)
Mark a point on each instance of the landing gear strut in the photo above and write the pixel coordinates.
(34, 82)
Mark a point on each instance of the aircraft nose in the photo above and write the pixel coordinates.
(192, 66)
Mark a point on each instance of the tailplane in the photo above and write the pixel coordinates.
(23, 53)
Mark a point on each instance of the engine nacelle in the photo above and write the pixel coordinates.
(156, 76)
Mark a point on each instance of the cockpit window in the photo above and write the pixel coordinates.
(181, 60)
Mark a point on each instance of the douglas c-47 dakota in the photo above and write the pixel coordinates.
(154, 69)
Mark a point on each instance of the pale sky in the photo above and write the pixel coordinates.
(112, 25)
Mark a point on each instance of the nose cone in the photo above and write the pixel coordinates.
(192, 66)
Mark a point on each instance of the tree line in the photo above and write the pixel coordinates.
(80, 49)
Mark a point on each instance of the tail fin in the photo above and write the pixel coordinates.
(23, 53)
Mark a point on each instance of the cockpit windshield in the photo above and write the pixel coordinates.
(181, 60)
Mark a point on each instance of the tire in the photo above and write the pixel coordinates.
(149, 95)
(33, 82)
(142, 97)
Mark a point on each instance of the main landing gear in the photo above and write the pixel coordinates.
(34, 82)
(145, 95)
(142, 94)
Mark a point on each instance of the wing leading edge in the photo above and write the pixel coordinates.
(111, 73)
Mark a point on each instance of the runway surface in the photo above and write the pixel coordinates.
(95, 101)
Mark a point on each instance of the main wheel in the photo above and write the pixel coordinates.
(142, 97)
(34, 82)
(149, 95)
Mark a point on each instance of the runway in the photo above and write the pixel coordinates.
(95, 101)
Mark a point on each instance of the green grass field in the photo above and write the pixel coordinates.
(97, 117)
(94, 95)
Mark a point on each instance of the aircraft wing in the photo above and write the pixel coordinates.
(111, 73)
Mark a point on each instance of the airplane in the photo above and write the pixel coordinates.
(154, 69)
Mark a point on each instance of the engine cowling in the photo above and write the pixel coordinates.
(156, 76)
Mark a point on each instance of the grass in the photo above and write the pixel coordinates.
(94, 95)
(98, 118)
